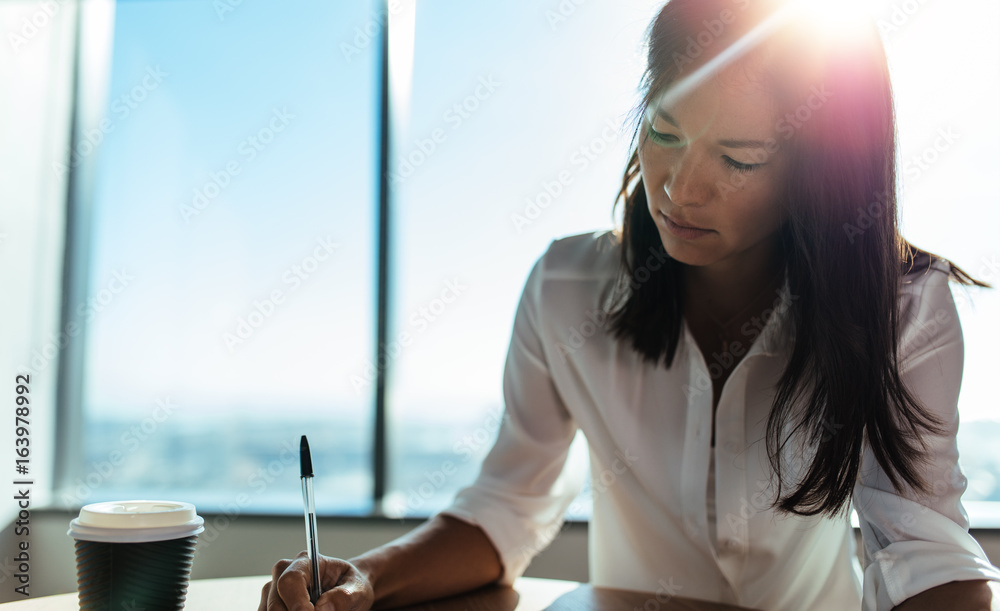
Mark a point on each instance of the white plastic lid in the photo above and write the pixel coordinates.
(136, 521)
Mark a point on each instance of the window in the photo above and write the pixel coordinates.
(231, 281)
(500, 148)
(948, 127)
(231, 275)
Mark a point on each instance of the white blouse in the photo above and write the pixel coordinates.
(648, 430)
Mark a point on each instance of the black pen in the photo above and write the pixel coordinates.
(305, 462)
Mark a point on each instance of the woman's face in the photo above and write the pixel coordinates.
(711, 161)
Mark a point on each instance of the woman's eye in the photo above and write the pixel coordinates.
(741, 167)
(667, 139)
(662, 137)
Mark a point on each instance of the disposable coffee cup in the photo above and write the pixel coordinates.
(134, 554)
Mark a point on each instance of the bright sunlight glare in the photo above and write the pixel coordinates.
(842, 19)
(839, 21)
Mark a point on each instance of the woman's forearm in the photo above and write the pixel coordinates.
(957, 595)
(441, 557)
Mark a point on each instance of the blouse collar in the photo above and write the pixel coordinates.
(778, 333)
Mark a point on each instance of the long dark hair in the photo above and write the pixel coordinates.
(845, 258)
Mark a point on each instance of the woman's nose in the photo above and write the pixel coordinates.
(685, 185)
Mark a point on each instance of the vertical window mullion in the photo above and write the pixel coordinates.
(380, 458)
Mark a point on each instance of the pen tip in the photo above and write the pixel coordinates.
(305, 459)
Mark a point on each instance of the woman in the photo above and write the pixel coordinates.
(756, 349)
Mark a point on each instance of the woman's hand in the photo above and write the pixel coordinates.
(343, 587)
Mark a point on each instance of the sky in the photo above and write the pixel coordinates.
(505, 99)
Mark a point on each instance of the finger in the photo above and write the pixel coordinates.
(263, 597)
(292, 586)
(269, 594)
(279, 568)
(339, 599)
(350, 594)
(330, 570)
(274, 603)
(344, 598)
(352, 581)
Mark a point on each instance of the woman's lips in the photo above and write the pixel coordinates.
(685, 225)
(682, 231)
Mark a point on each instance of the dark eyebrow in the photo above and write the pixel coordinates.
(732, 144)
(666, 116)
(743, 144)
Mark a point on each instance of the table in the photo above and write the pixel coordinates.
(528, 594)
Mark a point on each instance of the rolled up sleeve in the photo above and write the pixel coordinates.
(914, 542)
(523, 490)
